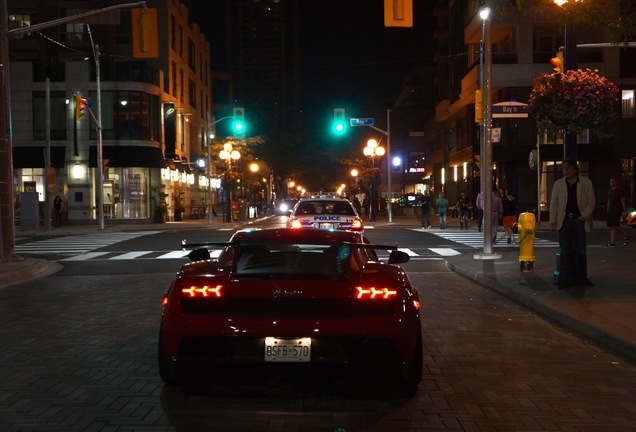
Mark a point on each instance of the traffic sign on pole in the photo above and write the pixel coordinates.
(361, 121)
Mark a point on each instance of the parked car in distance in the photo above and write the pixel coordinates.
(282, 298)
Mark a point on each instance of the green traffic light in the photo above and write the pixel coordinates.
(239, 126)
(339, 127)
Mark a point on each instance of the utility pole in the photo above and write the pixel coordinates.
(7, 217)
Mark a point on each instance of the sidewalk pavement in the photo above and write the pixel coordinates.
(604, 315)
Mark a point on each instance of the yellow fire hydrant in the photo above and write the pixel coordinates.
(525, 227)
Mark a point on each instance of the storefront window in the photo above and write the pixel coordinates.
(133, 192)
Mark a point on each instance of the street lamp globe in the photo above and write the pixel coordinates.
(354, 173)
(254, 167)
(379, 151)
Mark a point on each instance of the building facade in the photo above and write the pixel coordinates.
(155, 110)
(522, 46)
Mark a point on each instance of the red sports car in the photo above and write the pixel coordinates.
(280, 296)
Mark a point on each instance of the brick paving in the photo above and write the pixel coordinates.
(80, 356)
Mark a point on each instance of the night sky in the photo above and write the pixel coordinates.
(347, 54)
(348, 59)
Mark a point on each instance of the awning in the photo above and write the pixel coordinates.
(33, 156)
(128, 156)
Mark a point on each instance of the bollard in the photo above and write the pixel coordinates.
(525, 227)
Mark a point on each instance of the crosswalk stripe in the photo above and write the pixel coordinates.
(173, 255)
(85, 257)
(476, 239)
(445, 251)
(78, 244)
(130, 255)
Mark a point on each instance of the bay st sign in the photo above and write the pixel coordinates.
(510, 110)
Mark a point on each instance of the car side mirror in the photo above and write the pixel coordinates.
(398, 257)
(200, 254)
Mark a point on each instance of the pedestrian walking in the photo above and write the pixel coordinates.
(497, 212)
(462, 206)
(509, 213)
(571, 208)
(615, 210)
(425, 201)
(479, 203)
(442, 206)
(58, 207)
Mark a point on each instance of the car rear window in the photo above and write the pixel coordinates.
(276, 259)
(325, 207)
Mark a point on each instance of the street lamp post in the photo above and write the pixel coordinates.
(372, 150)
(228, 154)
(569, 63)
(486, 139)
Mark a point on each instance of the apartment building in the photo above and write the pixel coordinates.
(155, 110)
(522, 46)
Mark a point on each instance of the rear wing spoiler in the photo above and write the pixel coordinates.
(200, 251)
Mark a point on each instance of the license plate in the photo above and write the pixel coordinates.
(326, 225)
(287, 350)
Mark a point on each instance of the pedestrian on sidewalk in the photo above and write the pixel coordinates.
(462, 206)
(497, 212)
(571, 208)
(425, 201)
(509, 213)
(57, 209)
(442, 206)
(615, 210)
(479, 203)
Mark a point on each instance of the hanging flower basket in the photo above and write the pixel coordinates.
(575, 100)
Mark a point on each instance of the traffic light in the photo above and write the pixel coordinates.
(339, 121)
(238, 124)
(80, 105)
(145, 34)
(479, 106)
(557, 62)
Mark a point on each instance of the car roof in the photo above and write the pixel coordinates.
(305, 234)
(324, 198)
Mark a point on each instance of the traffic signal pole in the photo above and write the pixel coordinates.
(7, 217)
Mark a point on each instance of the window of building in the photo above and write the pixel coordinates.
(17, 21)
(181, 84)
(128, 115)
(174, 79)
(30, 176)
(192, 94)
(75, 32)
(627, 104)
(173, 33)
(192, 56)
(58, 115)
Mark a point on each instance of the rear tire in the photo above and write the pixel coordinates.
(167, 370)
(414, 369)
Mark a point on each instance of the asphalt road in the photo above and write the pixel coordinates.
(79, 354)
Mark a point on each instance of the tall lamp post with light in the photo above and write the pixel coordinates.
(373, 150)
(228, 154)
(486, 138)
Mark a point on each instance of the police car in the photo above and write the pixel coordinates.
(325, 212)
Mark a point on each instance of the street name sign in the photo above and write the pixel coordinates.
(361, 121)
(510, 110)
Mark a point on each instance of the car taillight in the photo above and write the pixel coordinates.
(375, 293)
(356, 224)
(201, 291)
(295, 223)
